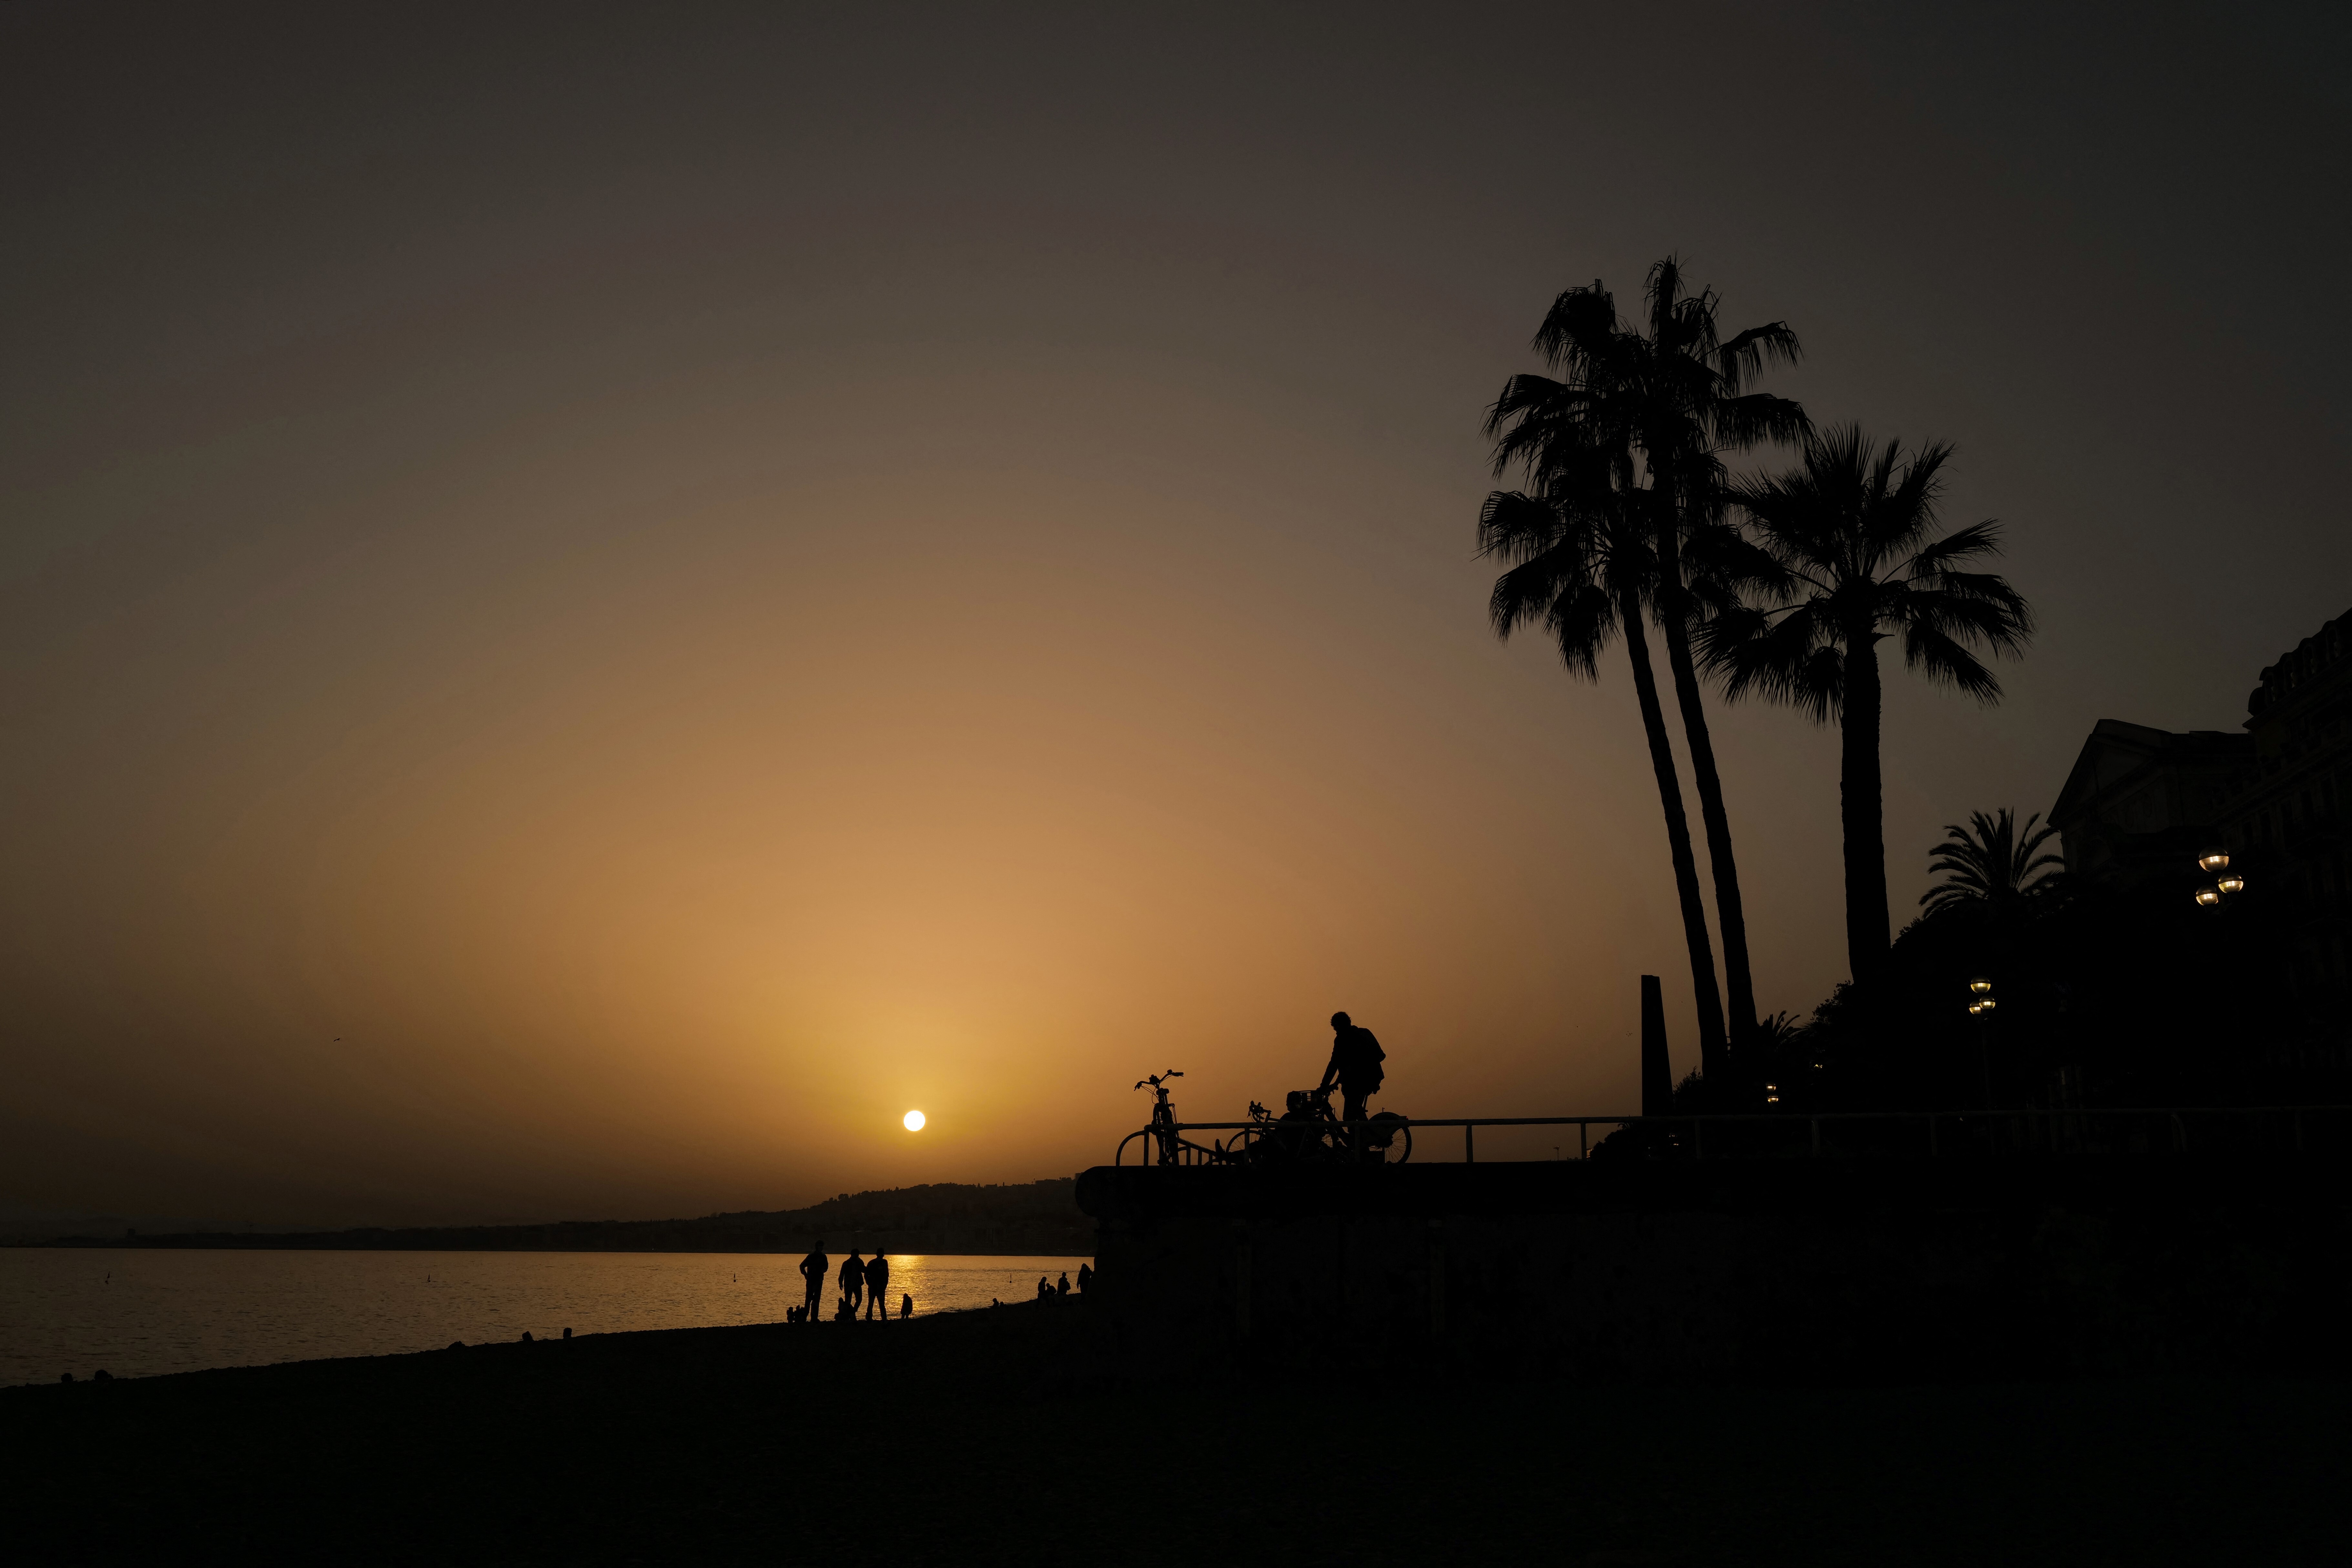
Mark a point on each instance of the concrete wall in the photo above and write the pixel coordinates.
(1868, 1270)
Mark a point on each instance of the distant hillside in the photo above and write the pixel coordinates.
(947, 1218)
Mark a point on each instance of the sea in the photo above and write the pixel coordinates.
(142, 1312)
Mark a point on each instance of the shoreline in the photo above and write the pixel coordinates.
(643, 1338)
(259, 1244)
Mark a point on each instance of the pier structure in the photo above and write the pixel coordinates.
(1873, 1249)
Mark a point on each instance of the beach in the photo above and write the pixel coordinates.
(1016, 1435)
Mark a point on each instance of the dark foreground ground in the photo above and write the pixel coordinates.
(994, 1437)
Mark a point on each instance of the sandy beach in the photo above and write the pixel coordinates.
(1013, 1436)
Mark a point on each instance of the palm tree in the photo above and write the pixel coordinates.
(1848, 529)
(1676, 394)
(1583, 569)
(1992, 861)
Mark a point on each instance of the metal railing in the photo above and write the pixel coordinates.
(2150, 1130)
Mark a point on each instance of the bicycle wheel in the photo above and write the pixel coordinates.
(1390, 1138)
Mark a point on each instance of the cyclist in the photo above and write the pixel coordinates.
(1355, 1058)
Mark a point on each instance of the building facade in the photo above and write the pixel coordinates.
(2141, 804)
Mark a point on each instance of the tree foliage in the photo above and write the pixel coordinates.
(1992, 860)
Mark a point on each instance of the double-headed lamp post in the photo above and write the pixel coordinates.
(2215, 863)
(1980, 1006)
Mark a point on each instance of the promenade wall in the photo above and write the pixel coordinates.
(1811, 1270)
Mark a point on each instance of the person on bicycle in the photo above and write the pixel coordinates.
(1355, 1058)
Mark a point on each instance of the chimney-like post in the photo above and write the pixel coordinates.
(1657, 1073)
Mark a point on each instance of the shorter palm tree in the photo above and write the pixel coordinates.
(1850, 529)
(1992, 861)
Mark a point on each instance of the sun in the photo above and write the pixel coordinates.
(914, 1121)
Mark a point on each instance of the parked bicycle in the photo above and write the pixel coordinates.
(1309, 1131)
(1174, 1148)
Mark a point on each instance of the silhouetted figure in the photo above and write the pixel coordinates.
(906, 1305)
(1061, 1287)
(567, 1333)
(853, 1280)
(843, 1311)
(526, 1336)
(1293, 1129)
(877, 1287)
(1045, 1291)
(65, 1377)
(1085, 1276)
(1356, 1058)
(813, 1271)
(102, 1375)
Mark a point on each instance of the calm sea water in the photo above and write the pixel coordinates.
(137, 1312)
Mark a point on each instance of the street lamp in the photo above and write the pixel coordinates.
(2213, 893)
(1980, 1006)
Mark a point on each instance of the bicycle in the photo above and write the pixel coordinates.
(1310, 1131)
(1174, 1149)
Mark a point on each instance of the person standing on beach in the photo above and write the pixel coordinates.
(813, 1269)
(1085, 1276)
(853, 1280)
(877, 1285)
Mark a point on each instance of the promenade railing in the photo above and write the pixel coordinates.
(1931, 1134)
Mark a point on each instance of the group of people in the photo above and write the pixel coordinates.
(1047, 1292)
(865, 1285)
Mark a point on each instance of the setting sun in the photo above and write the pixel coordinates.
(914, 1121)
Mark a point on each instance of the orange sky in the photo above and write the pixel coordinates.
(683, 604)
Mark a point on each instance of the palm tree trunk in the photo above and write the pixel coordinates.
(1678, 839)
(1730, 916)
(1861, 811)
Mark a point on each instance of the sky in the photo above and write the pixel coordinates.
(596, 601)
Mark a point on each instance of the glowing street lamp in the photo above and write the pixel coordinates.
(2213, 893)
(1980, 1006)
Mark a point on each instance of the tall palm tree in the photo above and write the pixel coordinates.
(1992, 861)
(1583, 568)
(1677, 394)
(1849, 529)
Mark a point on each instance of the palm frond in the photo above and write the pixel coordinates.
(1991, 860)
(1757, 417)
(1742, 359)
(1945, 662)
(1581, 325)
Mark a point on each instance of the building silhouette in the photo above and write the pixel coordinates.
(2142, 804)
